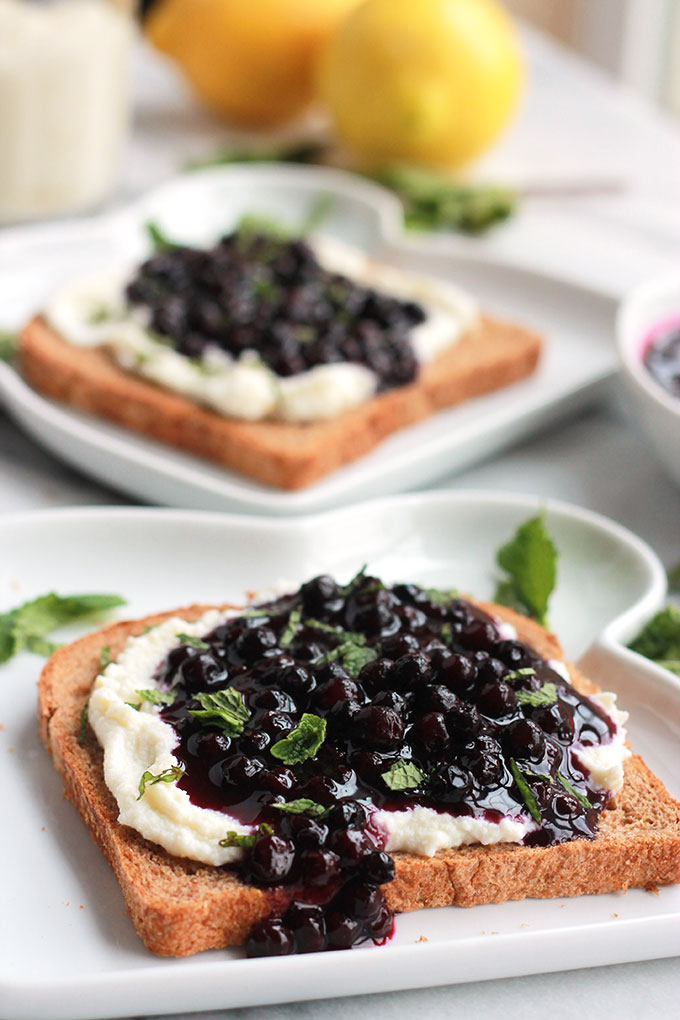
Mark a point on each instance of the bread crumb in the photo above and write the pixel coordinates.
(10, 749)
(2, 726)
(81, 907)
(42, 828)
(653, 889)
(615, 915)
(494, 933)
(423, 938)
(562, 906)
(524, 924)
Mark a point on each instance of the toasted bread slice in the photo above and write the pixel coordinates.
(280, 454)
(181, 907)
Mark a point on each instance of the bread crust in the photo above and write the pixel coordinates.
(180, 907)
(284, 455)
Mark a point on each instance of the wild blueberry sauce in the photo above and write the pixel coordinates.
(416, 676)
(254, 291)
(662, 356)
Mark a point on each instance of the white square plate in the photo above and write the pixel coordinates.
(67, 947)
(577, 324)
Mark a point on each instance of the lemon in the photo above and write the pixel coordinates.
(252, 61)
(431, 81)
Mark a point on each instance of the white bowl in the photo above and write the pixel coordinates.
(658, 412)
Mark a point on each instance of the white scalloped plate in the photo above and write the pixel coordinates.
(67, 948)
(576, 322)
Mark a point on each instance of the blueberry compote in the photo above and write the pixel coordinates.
(662, 356)
(366, 697)
(255, 291)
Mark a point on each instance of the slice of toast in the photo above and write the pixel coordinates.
(284, 455)
(181, 907)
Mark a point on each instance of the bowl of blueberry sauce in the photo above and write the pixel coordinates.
(648, 337)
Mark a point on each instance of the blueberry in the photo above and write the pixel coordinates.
(380, 727)
(430, 733)
(270, 938)
(307, 924)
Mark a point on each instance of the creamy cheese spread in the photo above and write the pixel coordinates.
(92, 311)
(136, 741)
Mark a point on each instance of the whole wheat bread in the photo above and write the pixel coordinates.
(287, 456)
(181, 907)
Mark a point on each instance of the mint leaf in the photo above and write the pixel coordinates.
(159, 240)
(104, 656)
(530, 560)
(40, 645)
(303, 742)
(170, 775)
(303, 806)
(545, 695)
(441, 596)
(246, 840)
(8, 345)
(291, 629)
(28, 625)
(446, 633)
(83, 723)
(403, 775)
(659, 640)
(580, 797)
(194, 642)
(354, 657)
(526, 792)
(225, 709)
(156, 697)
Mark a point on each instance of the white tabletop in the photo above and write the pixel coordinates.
(575, 125)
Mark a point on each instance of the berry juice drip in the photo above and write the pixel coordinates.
(258, 293)
(422, 701)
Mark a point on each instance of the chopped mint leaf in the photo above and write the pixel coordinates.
(253, 613)
(225, 709)
(99, 314)
(194, 642)
(303, 742)
(348, 588)
(303, 806)
(659, 640)
(527, 794)
(156, 697)
(545, 695)
(83, 723)
(8, 345)
(28, 625)
(580, 797)
(131, 704)
(160, 241)
(673, 573)
(251, 224)
(104, 656)
(325, 628)
(352, 653)
(302, 152)
(403, 775)
(245, 840)
(446, 633)
(441, 596)
(291, 629)
(530, 560)
(170, 775)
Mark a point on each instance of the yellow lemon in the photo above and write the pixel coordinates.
(431, 81)
(252, 61)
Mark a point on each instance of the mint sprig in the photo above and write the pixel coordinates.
(28, 625)
(526, 791)
(530, 562)
(303, 742)
(156, 697)
(580, 797)
(245, 840)
(659, 639)
(302, 806)
(545, 695)
(403, 775)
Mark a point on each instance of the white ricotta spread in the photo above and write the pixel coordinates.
(135, 742)
(92, 311)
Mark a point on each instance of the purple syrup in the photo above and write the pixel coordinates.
(661, 355)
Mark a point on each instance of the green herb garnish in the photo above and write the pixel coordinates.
(104, 656)
(673, 575)
(225, 709)
(403, 775)
(659, 640)
(303, 152)
(193, 642)
(160, 241)
(353, 654)
(441, 596)
(8, 345)
(156, 697)
(28, 625)
(545, 695)
(83, 723)
(99, 314)
(303, 742)
(291, 629)
(303, 806)
(246, 840)
(527, 794)
(580, 797)
(530, 560)
(446, 633)
(170, 775)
